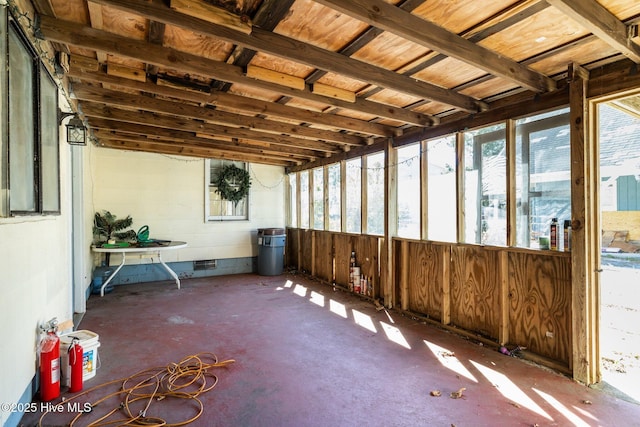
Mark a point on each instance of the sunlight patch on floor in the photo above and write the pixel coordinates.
(300, 290)
(364, 320)
(449, 360)
(317, 299)
(338, 308)
(510, 390)
(394, 334)
(566, 412)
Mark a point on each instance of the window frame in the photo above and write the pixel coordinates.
(40, 196)
(209, 190)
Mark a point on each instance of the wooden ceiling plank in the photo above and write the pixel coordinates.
(131, 121)
(195, 142)
(236, 102)
(285, 47)
(149, 130)
(393, 19)
(179, 150)
(113, 97)
(95, 15)
(602, 23)
(89, 38)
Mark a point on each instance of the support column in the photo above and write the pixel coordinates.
(584, 244)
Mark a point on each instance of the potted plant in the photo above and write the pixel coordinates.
(107, 228)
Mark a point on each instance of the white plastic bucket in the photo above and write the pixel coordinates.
(90, 359)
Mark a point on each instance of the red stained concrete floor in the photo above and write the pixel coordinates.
(306, 355)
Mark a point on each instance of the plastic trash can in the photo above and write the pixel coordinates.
(270, 251)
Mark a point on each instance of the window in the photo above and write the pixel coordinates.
(304, 199)
(354, 195)
(318, 199)
(409, 191)
(219, 209)
(333, 175)
(31, 99)
(442, 204)
(485, 199)
(543, 175)
(375, 194)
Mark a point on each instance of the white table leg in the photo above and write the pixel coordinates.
(104, 285)
(170, 271)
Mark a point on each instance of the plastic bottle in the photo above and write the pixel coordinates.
(553, 235)
(567, 235)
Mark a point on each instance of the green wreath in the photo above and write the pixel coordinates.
(233, 183)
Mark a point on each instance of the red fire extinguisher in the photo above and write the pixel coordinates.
(75, 365)
(50, 363)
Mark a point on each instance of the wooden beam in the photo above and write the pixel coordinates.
(108, 129)
(333, 92)
(177, 150)
(584, 242)
(395, 20)
(291, 49)
(241, 103)
(85, 37)
(213, 14)
(602, 23)
(146, 103)
(275, 77)
(132, 121)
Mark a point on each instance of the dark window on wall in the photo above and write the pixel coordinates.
(32, 144)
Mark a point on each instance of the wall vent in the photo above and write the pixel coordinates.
(205, 264)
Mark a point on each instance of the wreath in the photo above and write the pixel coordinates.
(233, 183)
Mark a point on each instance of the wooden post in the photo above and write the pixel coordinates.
(424, 192)
(503, 277)
(391, 223)
(446, 286)
(584, 244)
(404, 275)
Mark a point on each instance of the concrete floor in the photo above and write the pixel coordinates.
(306, 355)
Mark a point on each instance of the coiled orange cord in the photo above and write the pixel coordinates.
(186, 379)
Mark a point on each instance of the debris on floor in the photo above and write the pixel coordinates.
(457, 394)
(435, 393)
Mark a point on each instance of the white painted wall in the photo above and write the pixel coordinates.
(167, 193)
(35, 285)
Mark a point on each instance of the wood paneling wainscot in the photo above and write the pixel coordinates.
(475, 298)
(540, 303)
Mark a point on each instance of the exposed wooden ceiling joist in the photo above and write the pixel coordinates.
(602, 23)
(395, 20)
(304, 53)
(147, 77)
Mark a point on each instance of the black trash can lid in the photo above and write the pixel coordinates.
(271, 231)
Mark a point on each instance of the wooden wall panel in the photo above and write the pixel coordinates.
(291, 252)
(342, 252)
(540, 304)
(323, 256)
(306, 250)
(425, 279)
(475, 299)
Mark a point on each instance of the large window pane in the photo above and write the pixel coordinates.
(318, 199)
(409, 191)
(334, 197)
(354, 193)
(441, 155)
(21, 129)
(485, 186)
(375, 194)
(543, 175)
(304, 199)
(50, 153)
(293, 213)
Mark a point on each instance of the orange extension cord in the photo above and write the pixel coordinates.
(186, 379)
